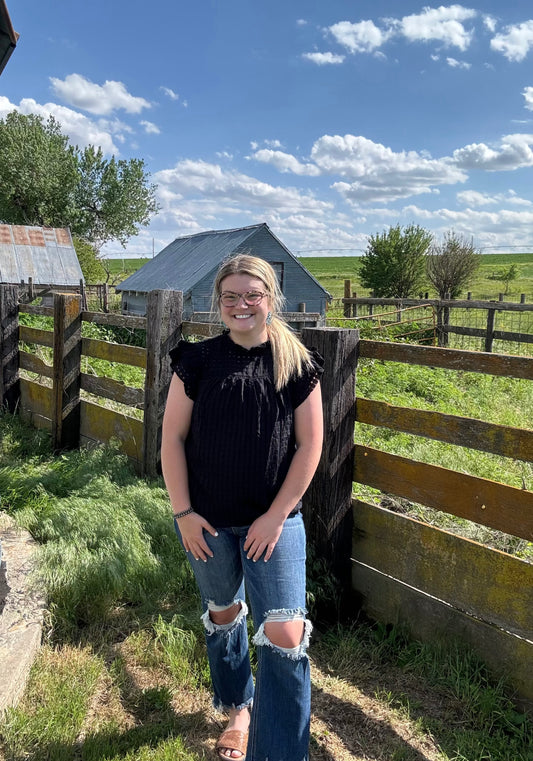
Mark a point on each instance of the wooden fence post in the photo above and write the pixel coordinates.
(328, 501)
(354, 306)
(347, 294)
(66, 371)
(9, 347)
(489, 337)
(163, 329)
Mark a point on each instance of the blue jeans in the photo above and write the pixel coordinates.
(281, 701)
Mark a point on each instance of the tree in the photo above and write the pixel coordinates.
(393, 263)
(112, 198)
(38, 172)
(91, 266)
(506, 276)
(46, 181)
(451, 263)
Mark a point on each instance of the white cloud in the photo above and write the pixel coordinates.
(301, 22)
(474, 198)
(150, 128)
(528, 95)
(323, 58)
(514, 152)
(169, 93)
(210, 185)
(78, 91)
(455, 64)
(362, 37)
(375, 172)
(515, 42)
(443, 24)
(489, 22)
(285, 162)
(499, 227)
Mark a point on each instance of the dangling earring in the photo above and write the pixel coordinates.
(269, 318)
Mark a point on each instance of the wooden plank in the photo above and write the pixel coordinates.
(205, 329)
(112, 389)
(428, 619)
(36, 398)
(502, 306)
(451, 359)
(490, 503)
(122, 353)
(117, 320)
(463, 431)
(99, 424)
(36, 336)
(499, 335)
(494, 586)
(34, 364)
(33, 309)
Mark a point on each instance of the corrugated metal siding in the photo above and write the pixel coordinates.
(46, 255)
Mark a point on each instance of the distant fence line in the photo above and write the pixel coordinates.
(447, 310)
(435, 583)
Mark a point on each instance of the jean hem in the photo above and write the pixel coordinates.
(221, 707)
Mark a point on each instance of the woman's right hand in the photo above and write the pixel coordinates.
(192, 528)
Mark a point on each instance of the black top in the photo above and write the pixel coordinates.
(241, 439)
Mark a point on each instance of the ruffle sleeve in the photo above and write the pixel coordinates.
(186, 362)
(300, 387)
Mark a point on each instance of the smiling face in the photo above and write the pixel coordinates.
(247, 324)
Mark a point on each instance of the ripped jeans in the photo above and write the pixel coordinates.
(281, 701)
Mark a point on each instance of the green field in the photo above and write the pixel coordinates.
(332, 271)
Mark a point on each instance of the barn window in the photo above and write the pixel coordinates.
(278, 269)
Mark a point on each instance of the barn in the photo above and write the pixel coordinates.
(44, 256)
(190, 264)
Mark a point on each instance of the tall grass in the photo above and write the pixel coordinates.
(106, 537)
(123, 673)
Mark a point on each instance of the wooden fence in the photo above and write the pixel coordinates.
(401, 571)
(355, 306)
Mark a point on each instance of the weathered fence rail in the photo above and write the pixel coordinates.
(444, 310)
(401, 570)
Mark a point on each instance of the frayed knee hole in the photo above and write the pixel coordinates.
(227, 616)
(286, 634)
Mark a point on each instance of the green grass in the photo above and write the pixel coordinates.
(123, 674)
(332, 271)
(505, 401)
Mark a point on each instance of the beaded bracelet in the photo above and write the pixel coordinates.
(183, 513)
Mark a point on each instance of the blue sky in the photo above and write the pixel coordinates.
(329, 120)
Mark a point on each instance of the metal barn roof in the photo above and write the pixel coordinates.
(44, 254)
(185, 261)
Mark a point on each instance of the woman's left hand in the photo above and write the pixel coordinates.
(262, 537)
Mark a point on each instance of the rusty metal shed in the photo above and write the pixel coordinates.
(8, 36)
(44, 254)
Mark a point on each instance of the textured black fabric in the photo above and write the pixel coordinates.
(241, 439)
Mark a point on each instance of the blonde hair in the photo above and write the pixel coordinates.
(290, 356)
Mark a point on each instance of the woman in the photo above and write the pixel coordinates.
(242, 436)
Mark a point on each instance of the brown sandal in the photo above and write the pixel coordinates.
(232, 739)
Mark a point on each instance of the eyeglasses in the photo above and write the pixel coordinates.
(250, 298)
